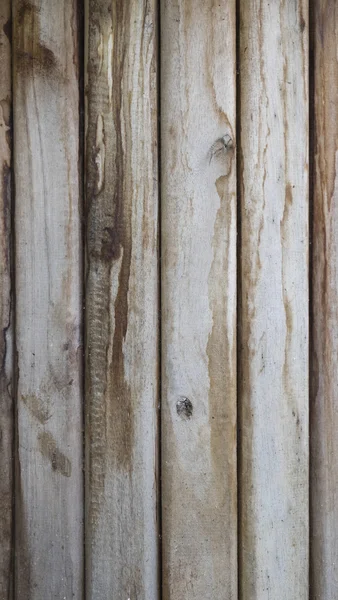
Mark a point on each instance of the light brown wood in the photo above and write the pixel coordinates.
(6, 309)
(273, 394)
(324, 317)
(198, 205)
(49, 489)
(121, 300)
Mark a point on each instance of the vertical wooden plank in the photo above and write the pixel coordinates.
(324, 317)
(6, 316)
(121, 301)
(49, 495)
(274, 300)
(198, 299)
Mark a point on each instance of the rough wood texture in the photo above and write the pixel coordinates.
(324, 318)
(274, 300)
(6, 316)
(49, 498)
(122, 301)
(198, 300)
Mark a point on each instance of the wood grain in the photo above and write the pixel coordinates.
(49, 494)
(198, 206)
(6, 310)
(324, 317)
(273, 395)
(121, 300)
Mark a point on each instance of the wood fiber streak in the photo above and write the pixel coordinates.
(121, 300)
(198, 213)
(324, 317)
(49, 487)
(273, 392)
(6, 310)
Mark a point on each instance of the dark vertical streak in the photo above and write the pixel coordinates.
(121, 238)
(80, 62)
(312, 391)
(13, 316)
(159, 395)
(7, 383)
(239, 288)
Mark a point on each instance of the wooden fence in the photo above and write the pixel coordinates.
(169, 300)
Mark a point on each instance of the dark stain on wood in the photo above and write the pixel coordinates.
(31, 53)
(110, 420)
(184, 407)
(122, 404)
(36, 408)
(6, 217)
(7, 29)
(220, 354)
(49, 449)
(22, 549)
(324, 314)
(284, 228)
(109, 236)
(6, 314)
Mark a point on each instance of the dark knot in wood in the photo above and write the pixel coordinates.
(184, 407)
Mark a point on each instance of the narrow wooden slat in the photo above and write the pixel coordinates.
(6, 312)
(121, 301)
(49, 498)
(273, 392)
(198, 265)
(324, 318)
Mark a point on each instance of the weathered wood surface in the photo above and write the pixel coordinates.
(273, 394)
(6, 310)
(324, 317)
(198, 267)
(122, 300)
(49, 489)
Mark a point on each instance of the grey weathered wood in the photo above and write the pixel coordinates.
(199, 491)
(273, 394)
(121, 300)
(49, 494)
(6, 311)
(324, 317)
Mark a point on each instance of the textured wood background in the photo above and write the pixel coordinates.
(168, 300)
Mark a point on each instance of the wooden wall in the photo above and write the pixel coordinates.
(168, 300)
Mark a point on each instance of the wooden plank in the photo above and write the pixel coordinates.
(198, 299)
(122, 301)
(49, 495)
(6, 312)
(273, 395)
(324, 317)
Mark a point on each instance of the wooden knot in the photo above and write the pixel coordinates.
(221, 146)
(184, 407)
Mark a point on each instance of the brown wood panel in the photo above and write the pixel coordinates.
(198, 266)
(49, 486)
(121, 300)
(324, 317)
(273, 382)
